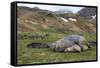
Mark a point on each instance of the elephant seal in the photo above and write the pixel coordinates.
(74, 48)
(84, 47)
(70, 41)
(38, 45)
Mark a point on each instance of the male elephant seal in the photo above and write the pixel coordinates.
(70, 41)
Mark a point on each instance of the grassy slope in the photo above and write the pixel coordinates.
(45, 55)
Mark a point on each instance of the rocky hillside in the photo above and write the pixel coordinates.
(87, 12)
(36, 19)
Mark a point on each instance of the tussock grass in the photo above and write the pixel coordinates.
(45, 55)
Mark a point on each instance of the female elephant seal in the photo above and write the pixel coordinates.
(72, 42)
(74, 48)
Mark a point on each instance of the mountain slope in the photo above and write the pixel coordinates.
(35, 19)
(87, 12)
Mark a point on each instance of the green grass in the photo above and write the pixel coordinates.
(45, 55)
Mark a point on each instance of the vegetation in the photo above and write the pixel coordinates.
(45, 55)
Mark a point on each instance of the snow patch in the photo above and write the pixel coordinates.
(31, 22)
(72, 19)
(64, 19)
(93, 17)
